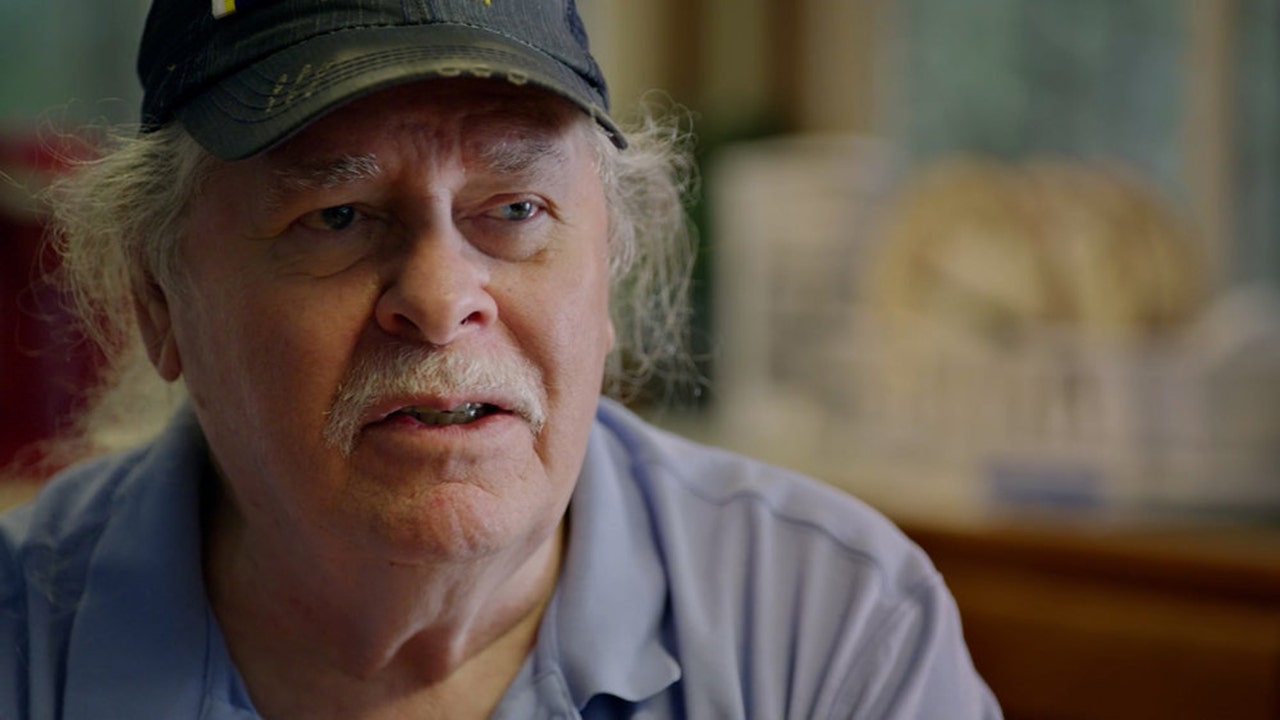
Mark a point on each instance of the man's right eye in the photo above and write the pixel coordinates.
(338, 217)
(329, 240)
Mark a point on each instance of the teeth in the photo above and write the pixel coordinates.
(464, 413)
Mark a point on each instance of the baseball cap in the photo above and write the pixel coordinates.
(244, 75)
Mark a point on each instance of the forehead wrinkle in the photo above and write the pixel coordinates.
(520, 136)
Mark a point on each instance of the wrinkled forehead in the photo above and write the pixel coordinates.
(493, 122)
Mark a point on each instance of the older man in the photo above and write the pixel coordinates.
(379, 242)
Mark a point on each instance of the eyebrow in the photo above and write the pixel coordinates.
(324, 174)
(521, 154)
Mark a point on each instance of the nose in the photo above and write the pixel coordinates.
(436, 290)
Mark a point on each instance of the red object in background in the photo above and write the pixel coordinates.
(45, 363)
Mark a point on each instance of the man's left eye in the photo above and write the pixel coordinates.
(522, 210)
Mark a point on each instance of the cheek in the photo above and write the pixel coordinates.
(561, 322)
(584, 336)
(266, 359)
(588, 311)
(581, 301)
(297, 347)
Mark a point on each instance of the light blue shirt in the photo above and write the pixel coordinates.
(697, 584)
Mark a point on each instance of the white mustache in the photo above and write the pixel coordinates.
(393, 371)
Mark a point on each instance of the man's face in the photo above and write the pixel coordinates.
(455, 225)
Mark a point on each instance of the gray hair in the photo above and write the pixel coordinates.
(117, 219)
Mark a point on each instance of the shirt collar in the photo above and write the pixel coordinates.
(604, 626)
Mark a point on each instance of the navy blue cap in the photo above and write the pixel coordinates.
(244, 75)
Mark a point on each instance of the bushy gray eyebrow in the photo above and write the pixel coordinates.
(521, 155)
(321, 175)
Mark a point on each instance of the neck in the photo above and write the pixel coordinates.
(316, 633)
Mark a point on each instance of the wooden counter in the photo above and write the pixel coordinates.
(1079, 621)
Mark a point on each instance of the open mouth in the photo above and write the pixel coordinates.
(462, 414)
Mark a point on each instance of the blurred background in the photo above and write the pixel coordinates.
(1008, 270)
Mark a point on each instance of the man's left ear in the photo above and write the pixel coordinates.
(156, 327)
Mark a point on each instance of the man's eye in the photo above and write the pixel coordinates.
(339, 217)
(522, 210)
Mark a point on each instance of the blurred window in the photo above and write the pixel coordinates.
(67, 62)
(1118, 79)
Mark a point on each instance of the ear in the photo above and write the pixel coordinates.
(152, 309)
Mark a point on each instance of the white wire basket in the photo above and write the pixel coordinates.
(913, 412)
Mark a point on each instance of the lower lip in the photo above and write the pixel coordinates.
(411, 429)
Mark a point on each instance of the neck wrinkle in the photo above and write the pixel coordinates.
(400, 636)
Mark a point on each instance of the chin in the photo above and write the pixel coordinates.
(453, 521)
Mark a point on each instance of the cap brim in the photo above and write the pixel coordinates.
(271, 100)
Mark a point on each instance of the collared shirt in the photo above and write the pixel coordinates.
(696, 584)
